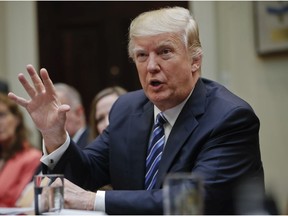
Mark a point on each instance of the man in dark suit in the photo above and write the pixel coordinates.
(76, 119)
(208, 130)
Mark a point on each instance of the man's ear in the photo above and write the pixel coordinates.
(80, 110)
(196, 63)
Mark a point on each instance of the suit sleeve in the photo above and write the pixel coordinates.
(228, 158)
(89, 167)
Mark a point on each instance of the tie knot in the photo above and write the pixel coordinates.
(160, 119)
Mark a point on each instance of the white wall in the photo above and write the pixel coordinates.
(3, 75)
(227, 34)
(205, 14)
(18, 47)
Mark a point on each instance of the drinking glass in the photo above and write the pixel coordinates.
(49, 193)
(183, 194)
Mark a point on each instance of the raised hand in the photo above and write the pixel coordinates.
(46, 111)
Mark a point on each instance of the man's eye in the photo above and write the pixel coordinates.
(141, 57)
(165, 51)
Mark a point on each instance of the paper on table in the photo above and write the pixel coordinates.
(80, 212)
(18, 211)
(15, 211)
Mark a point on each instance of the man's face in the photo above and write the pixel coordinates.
(73, 120)
(165, 69)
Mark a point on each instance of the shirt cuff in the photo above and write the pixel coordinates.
(50, 160)
(99, 204)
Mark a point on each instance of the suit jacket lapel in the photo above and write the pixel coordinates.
(184, 126)
(138, 142)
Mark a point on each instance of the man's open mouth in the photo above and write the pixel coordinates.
(155, 83)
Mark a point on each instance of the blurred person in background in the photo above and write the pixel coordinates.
(18, 158)
(100, 108)
(76, 125)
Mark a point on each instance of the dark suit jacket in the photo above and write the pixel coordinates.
(83, 139)
(215, 135)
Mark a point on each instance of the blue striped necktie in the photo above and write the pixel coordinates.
(154, 153)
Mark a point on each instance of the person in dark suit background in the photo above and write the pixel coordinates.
(209, 130)
(76, 119)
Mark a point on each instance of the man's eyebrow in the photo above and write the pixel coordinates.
(161, 44)
(138, 49)
(165, 43)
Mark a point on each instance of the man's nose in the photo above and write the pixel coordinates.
(153, 65)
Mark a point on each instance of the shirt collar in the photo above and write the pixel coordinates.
(172, 114)
(78, 134)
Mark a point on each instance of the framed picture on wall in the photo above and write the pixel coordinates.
(271, 25)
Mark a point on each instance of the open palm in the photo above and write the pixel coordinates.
(46, 111)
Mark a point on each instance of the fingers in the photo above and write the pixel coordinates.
(19, 100)
(68, 184)
(58, 182)
(78, 198)
(38, 84)
(29, 89)
(41, 85)
(49, 87)
(62, 110)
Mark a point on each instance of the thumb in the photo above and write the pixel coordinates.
(63, 109)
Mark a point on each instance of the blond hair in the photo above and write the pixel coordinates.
(167, 20)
